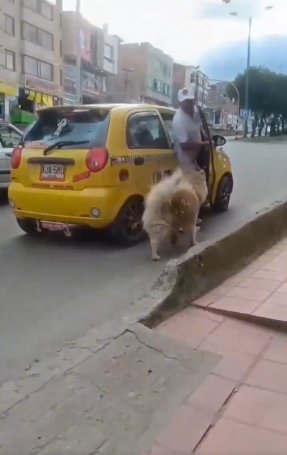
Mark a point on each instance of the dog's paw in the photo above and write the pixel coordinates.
(155, 257)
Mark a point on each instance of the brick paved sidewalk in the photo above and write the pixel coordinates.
(242, 406)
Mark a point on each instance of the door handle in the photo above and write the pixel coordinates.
(139, 161)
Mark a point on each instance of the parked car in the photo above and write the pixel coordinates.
(10, 137)
(92, 165)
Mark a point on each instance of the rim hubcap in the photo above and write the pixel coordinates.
(133, 220)
(225, 192)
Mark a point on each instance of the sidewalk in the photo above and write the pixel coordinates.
(242, 405)
(201, 382)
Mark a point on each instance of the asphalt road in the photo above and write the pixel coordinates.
(53, 290)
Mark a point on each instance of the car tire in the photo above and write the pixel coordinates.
(3, 195)
(28, 226)
(127, 230)
(223, 194)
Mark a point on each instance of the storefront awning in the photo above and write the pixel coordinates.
(8, 89)
(40, 98)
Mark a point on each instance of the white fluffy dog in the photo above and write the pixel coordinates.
(172, 206)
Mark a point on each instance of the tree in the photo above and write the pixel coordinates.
(267, 97)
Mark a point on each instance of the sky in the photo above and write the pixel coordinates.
(186, 29)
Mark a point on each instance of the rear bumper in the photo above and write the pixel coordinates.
(66, 206)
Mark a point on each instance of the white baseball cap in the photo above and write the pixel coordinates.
(185, 94)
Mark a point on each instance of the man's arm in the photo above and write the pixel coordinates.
(179, 132)
(192, 146)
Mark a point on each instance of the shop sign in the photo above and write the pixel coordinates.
(8, 89)
(39, 85)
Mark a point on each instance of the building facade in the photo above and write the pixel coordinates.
(90, 55)
(222, 112)
(145, 75)
(190, 76)
(30, 55)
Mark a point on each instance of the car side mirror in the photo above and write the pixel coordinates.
(219, 141)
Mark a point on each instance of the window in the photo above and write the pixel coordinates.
(9, 25)
(37, 36)
(158, 65)
(90, 125)
(108, 52)
(150, 82)
(9, 138)
(30, 66)
(192, 78)
(146, 131)
(45, 71)
(166, 89)
(42, 7)
(46, 9)
(29, 32)
(45, 39)
(167, 121)
(10, 60)
(37, 68)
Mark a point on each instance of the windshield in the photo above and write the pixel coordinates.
(9, 137)
(87, 125)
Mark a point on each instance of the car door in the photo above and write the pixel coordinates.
(4, 169)
(150, 148)
(206, 158)
(9, 138)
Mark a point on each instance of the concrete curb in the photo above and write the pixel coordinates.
(209, 264)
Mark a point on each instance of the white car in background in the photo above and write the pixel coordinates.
(10, 137)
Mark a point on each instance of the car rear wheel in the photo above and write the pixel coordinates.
(128, 230)
(223, 194)
(27, 225)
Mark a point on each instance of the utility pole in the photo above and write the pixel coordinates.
(78, 50)
(247, 79)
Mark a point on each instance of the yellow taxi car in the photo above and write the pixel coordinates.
(92, 165)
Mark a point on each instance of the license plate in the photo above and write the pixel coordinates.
(53, 172)
(53, 226)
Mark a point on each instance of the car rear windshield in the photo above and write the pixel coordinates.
(77, 125)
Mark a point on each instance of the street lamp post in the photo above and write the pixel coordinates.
(247, 79)
(267, 8)
(79, 56)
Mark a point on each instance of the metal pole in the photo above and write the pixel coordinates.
(78, 56)
(238, 96)
(247, 79)
(196, 84)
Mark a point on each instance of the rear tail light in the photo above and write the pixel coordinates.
(16, 157)
(96, 159)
